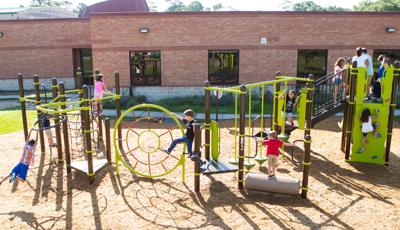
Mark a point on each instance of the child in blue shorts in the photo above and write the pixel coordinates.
(20, 171)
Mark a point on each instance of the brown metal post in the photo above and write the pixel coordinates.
(23, 106)
(207, 120)
(57, 121)
(77, 77)
(344, 126)
(118, 105)
(346, 111)
(87, 132)
(36, 84)
(67, 151)
(353, 82)
(242, 122)
(396, 76)
(307, 139)
(108, 140)
(100, 127)
(197, 146)
(275, 125)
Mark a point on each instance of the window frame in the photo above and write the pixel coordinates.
(238, 65)
(326, 62)
(131, 62)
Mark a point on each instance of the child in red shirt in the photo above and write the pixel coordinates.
(273, 144)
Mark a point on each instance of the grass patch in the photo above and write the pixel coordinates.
(11, 120)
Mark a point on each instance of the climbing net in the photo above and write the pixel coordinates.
(146, 132)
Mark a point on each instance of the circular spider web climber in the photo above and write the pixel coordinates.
(147, 130)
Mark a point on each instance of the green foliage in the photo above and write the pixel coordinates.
(175, 6)
(379, 5)
(80, 8)
(195, 6)
(152, 6)
(307, 6)
(311, 6)
(217, 6)
(51, 3)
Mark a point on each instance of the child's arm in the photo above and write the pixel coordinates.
(297, 101)
(282, 96)
(178, 116)
(4, 179)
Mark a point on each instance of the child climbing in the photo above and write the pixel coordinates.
(188, 120)
(20, 171)
(337, 79)
(368, 126)
(290, 104)
(273, 144)
(99, 88)
(47, 130)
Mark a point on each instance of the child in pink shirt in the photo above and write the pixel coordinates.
(99, 88)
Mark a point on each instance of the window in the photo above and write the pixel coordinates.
(393, 55)
(87, 66)
(145, 68)
(223, 67)
(311, 62)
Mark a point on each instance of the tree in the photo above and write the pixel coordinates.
(152, 6)
(176, 5)
(51, 3)
(79, 9)
(195, 6)
(217, 6)
(310, 6)
(307, 6)
(379, 5)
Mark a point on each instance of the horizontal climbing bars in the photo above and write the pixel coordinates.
(226, 90)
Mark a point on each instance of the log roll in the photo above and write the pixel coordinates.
(276, 184)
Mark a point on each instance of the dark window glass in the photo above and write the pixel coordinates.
(393, 55)
(311, 62)
(145, 68)
(87, 65)
(223, 67)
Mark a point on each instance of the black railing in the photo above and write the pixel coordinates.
(323, 100)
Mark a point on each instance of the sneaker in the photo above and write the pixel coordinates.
(165, 151)
(271, 175)
(12, 177)
(52, 145)
(366, 98)
(361, 150)
(377, 135)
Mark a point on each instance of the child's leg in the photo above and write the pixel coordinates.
(189, 144)
(274, 164)
(49, 136)
(175, 142)
(270, 164)
(23, 172)
(4, 179)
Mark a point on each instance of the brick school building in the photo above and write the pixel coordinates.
(172, 54)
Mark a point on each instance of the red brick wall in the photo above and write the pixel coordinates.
(185, 38)
(42, 47)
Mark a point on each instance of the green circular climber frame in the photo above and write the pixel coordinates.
(119, 150)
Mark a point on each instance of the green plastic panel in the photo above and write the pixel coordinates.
(281, 121)
(214, 140)
(301, 108)
(375, 149)
(362, 84)
(386, 85)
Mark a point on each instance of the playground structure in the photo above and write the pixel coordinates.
(143, 131)
(88, 126)
(378, 149)
(215, 166)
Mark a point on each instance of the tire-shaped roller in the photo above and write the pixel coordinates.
(275, 184)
